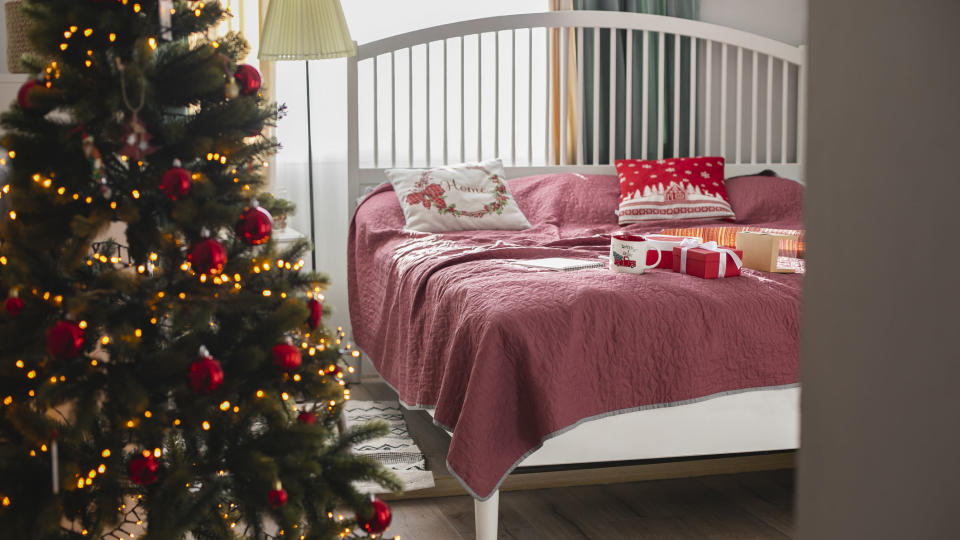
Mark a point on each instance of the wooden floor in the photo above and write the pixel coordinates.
(747, 505)
(741, 506)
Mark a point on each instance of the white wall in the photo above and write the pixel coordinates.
(9, 86)
(3, 42)
(783, 20)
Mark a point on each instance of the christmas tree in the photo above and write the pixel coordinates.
(163, 366)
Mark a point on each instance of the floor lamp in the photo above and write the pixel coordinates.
(305, 30)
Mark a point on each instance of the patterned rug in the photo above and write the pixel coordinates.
(396, 451)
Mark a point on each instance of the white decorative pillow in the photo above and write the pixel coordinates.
(463, 197)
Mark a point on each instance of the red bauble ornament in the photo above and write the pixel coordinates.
(286, 356)
(277, 497)
(64, 340)
(379, 519)
(255, 225)
(143, 470)
(205, 374)
(208, 256)
(175, 183)
(316, 311)
(23, 95)
(14, 305)
(307, 418)
(248, 78)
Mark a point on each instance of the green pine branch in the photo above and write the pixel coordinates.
(93, 241)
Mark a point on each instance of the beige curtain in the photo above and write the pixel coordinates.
(570, 100)
(257, 9)
(247, 19)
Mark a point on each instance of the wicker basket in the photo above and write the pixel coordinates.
(18, 42)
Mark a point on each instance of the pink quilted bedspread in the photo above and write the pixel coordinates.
(509, 355)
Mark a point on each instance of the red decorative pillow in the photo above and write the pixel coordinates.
(676, 188)
(766, 199)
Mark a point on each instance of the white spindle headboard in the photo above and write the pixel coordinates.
(747, 96)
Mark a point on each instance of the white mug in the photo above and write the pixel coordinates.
(628, 254)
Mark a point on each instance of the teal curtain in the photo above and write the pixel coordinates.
(644, 57)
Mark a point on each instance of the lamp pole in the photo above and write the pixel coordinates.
(313, 225)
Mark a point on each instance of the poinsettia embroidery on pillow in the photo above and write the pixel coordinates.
(427, 191)
(677, 188)
(427, 194)
(457, 197)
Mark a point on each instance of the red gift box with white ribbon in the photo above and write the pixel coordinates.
(706, 260)
(665, 244)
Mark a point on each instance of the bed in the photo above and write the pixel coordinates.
(539, 367)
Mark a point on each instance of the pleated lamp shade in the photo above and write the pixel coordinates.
(305, 30)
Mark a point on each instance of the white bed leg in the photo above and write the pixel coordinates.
(485, 514)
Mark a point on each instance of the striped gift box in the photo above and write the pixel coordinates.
(727, 236)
